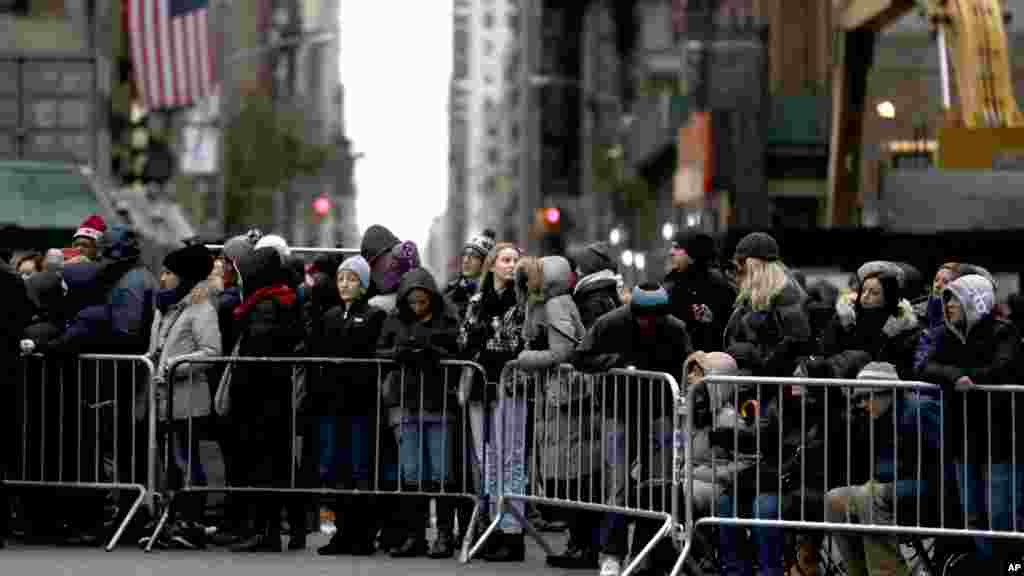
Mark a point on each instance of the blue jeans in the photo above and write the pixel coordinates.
(510, 420)
(770, 541)
(427, 458)
(973, 491)
(346, 461)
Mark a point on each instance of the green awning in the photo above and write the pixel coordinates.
(44, 195)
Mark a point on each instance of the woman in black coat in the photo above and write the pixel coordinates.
(268, 324)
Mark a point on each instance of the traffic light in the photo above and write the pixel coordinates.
(321, 207)
(549, 220)
(548, 227)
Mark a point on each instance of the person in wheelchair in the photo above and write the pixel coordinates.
(904, 441)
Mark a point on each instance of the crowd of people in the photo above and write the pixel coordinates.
(392, 427)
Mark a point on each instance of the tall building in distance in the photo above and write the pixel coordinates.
(485, 34)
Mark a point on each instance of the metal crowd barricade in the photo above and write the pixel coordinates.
(82, 425)
(407, 390)
(302, 250)
(597, 443)
(746, 406)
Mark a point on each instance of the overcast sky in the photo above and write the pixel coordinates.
(395, 66)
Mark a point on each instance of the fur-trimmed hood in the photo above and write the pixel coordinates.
(905, 319)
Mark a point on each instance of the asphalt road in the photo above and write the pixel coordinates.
(127, 559)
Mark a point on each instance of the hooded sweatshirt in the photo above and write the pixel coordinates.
(418, 346)
(113, 301)
(983, 348)
(553, 327)
(597, 294)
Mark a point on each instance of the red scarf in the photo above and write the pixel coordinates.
(283, 294)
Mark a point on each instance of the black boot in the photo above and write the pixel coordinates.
(508, 548)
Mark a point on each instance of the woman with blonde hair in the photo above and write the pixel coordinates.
(769, 327)
(769, 315)
(490, 335)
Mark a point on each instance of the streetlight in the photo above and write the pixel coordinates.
(886, 110)
(627, 258)
(640, 261)
(668, 231)
(615, 236)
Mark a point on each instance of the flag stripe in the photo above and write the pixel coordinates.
(172, 52)
(166, 56)
(204, 51)
(181, 92)
(206, 54)
(152, 54)
(138, 48)
(194, 54)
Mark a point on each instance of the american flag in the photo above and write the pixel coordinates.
(171, 51)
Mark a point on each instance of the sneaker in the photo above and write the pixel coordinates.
(610, 567)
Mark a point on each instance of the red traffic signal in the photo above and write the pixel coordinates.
(553, 216)
(322, 205)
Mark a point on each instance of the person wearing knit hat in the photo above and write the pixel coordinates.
(277, 243)
(358, 266)
(185, 324)
(349, 329)
(701, 295)
(459, 290)
(377, 240)
(757, 245)
(183, 269)
(901, 469)
(89, 235)
(770, 311)
(642, 335)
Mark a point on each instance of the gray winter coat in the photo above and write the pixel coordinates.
(190, 327)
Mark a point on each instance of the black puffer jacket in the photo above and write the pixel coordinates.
(856, 337)
(268, 324)
(614, 342)
(777, 337)
(596, 295)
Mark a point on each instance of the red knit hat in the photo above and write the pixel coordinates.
(93, 227)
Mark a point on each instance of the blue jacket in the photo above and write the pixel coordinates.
(112, 301)
(898, 462)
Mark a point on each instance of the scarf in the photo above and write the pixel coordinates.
(279, 292)
(170, 296)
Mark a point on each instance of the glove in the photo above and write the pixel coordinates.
(703, 314)
(27, 346)
(818, 368)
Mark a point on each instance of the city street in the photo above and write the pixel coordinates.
(127, 559)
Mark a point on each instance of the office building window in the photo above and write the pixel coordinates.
(493, 156)
(489, 19)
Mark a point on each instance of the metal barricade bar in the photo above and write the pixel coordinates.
(101, 409)
(301, 250)
(917, 409)
(408, 402)
(575, 416)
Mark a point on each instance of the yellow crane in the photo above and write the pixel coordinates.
(982, 124)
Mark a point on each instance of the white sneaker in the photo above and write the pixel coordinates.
(610, 567)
